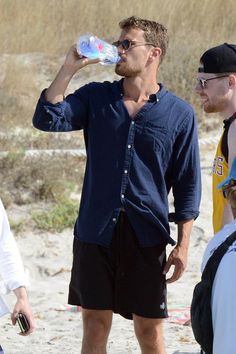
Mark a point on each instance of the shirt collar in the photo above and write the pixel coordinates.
(155, 97)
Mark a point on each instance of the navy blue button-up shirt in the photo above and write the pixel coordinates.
(131, 163)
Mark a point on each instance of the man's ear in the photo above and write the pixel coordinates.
(155, 53)
(232, 80)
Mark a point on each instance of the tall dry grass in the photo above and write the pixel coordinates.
(51, 25)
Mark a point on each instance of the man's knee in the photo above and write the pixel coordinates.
(149, 335)
(149, 332)
(97, 324)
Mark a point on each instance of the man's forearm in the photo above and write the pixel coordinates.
(20, 293)
(178, 256)
(184, 231)
(73, 63)
(55, 92)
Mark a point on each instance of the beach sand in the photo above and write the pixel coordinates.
(48, 257)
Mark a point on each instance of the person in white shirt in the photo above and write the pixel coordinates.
(223, 302)
(12, 272)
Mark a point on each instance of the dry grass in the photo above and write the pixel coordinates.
(49, 26)
(34, 37)
(25, 180)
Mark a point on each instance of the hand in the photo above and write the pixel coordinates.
(178, 259)
(22, 306)
(229, 191)
(76, 61)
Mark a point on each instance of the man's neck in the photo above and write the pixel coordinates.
(228, 113)
(138, 90)
(230, 108)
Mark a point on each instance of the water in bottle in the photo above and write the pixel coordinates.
(93, 47)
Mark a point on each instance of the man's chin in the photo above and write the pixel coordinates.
(207, 108)
(210, 109)
(119, 70)
(125, 72)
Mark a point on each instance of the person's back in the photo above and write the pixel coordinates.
(224, 285)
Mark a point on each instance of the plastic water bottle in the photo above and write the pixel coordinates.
(1, 350)
(93, 47)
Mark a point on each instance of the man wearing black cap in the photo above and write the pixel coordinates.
(216, 87)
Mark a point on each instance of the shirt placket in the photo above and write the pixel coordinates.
(127, 161)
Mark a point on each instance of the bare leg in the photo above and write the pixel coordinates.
(149, 333)
(96, 325)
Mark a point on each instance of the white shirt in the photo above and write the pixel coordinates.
(223, 301)
(11, 267)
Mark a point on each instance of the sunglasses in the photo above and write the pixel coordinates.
(126, 44)
(203, 82)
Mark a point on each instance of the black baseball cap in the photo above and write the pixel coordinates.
(220, 59)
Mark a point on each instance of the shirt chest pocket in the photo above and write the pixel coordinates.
(158, 137)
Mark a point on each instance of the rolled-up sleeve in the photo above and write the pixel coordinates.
(11, 266)
(68, 115)
(187, 172)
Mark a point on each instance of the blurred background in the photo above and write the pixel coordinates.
(34, 38)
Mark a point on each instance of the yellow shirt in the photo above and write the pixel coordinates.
(219, 172)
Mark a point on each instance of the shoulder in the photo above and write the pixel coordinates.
(231, 140)
(178, 102)
(216, 241)
(232, 128)
(96, 85)
(180, 112)
(2, 210)
(96, 89)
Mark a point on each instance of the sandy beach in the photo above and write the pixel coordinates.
(47, 258)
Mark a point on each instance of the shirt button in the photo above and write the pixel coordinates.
(125, 171)
(114, 219)
(122, 196)
(132, 122)
(129, 146)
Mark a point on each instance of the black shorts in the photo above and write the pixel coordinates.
(124, 277)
